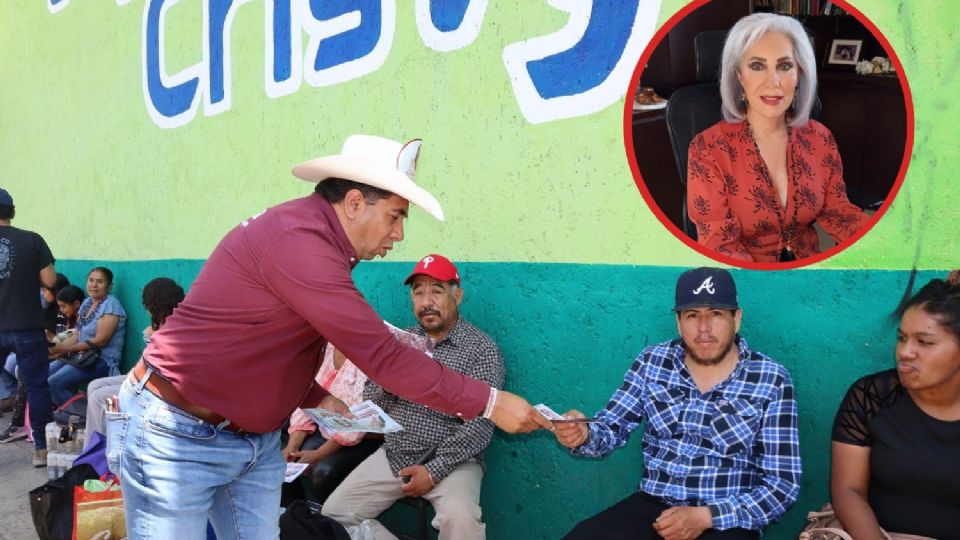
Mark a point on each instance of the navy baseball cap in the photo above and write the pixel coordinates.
(706, 287)
(5, 198)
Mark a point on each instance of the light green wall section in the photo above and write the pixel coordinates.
(79, 148)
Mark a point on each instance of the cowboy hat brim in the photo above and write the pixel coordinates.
(371, 173)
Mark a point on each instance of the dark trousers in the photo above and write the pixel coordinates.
(30, 346)
(19, 405)
(632, 519)
(319, 481)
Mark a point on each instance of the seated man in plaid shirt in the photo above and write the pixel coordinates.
(721, 451)
(436, 456)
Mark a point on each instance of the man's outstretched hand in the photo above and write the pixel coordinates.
(513, 414)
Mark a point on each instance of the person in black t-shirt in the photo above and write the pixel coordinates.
(26, 264)
(896, 437)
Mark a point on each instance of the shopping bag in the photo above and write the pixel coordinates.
(95, 453)
(51, 505)
(98, 515)
(301, 522)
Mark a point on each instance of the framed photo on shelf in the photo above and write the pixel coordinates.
(844, 52)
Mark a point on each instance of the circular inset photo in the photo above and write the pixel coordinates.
(768, 134)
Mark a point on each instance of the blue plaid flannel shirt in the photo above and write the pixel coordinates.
(734, 449)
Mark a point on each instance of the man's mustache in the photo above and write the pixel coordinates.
(427, 311)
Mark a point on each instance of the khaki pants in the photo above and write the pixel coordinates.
(371, 488)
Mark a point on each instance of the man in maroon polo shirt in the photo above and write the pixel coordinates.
(197, 431)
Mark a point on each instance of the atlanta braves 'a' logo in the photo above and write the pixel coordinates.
(707, 284)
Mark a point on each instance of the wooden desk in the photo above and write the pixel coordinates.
(868, 118)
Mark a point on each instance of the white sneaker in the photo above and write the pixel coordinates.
(13, 433)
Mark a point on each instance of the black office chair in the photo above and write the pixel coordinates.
(694, 108)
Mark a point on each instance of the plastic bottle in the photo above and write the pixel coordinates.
(68, 460)
(79, 439)
(53, 461)
(50, 468)
(52, 435)
(63, 438)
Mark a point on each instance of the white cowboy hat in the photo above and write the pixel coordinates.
(377, 162)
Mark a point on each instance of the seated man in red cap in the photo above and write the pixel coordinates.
(436, 456)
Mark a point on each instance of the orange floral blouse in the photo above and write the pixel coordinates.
(735, 207)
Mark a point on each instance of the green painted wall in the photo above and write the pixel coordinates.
(564, 265)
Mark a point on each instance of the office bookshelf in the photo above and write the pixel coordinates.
(798, 8)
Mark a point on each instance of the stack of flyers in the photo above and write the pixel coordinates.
(552, 415)
(421, 343)
(294, 470)
(367, 417)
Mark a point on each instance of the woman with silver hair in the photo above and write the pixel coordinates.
(758, 180)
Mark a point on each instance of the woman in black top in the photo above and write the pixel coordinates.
(896, 437)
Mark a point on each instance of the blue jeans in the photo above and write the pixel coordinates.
(64, 378)
(176, 471)
(30, 346)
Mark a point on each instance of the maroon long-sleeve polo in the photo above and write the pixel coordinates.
(246, 341)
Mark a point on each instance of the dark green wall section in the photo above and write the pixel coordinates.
(569, 332)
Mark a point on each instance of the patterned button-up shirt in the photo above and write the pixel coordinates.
(471, 352)
(734, 448)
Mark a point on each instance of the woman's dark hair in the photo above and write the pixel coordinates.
(70, 294)
(160, 296)
(58, 286)
(103, 270)
(941, 299)
(333, 190)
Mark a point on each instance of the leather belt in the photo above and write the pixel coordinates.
(164, 390)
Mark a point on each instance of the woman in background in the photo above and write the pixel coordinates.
(758, 180)
(896, 437)
(100, 325)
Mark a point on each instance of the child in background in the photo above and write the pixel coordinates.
(160, 296)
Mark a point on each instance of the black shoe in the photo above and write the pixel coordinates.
(13, 433)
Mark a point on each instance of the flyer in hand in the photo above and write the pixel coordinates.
(555, 417)
(367, 417)
(421, 343)
(293, 471)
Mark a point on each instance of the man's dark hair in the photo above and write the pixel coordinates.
(333, 190)
(6, 212)
(160, 296)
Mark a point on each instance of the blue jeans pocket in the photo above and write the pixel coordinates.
(117, 423)
(174, 422)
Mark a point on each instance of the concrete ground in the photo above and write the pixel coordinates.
(17, 477)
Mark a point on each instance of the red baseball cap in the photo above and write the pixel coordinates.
(436, 266)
